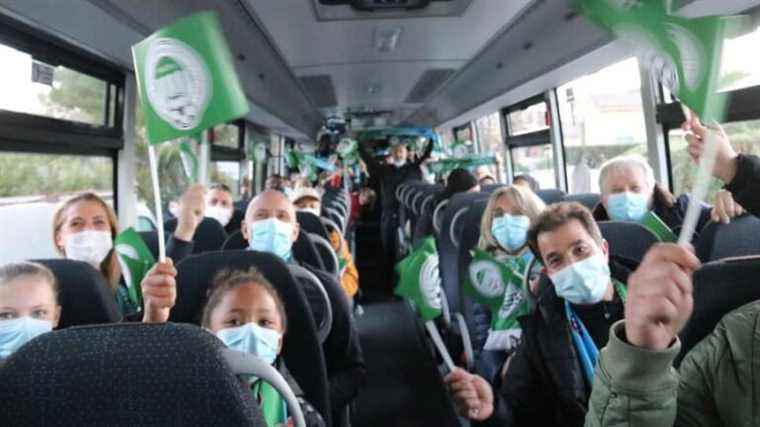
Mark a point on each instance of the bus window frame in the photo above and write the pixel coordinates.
(221, 153)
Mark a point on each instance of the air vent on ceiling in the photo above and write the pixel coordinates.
(320, 89)
(428, 83)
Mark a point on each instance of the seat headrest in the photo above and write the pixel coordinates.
(124, 374)
(302, 351)
(589, 200)
(737, 238)
(550, 196)
(312, 224)
(84, 295)
(627, 239)
(209, 236)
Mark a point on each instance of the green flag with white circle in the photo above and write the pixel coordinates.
(186, 79)
(135, 260)
(190, 163)
(499, 286)
(420, 281)
(684, 54)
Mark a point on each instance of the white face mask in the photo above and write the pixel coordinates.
(221, 214)
(399, 163)
(90, 246)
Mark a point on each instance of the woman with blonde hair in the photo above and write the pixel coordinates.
(503, 235)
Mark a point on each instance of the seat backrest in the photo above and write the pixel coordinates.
(84, 294)
(311, 223)
(448, 241)
(301, 350)
(326, 253)
(551, 195)
(124, 374)
(490, 188)
(740, 237)
(719, 288)
(589, 200)
(238, 216)
(235, 242)
(628, 240)
(319, 301)
(209, 236)
(392, 394)
(151, 241)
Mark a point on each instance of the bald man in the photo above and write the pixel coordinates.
(270, 225)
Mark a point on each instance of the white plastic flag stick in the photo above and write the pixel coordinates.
(157, 199)
(438, 342)
(205, 146)
(701, 186)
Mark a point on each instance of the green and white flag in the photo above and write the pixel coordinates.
(499, 286)
(684, 54)
(189, 159)
(658, 227)
(135, 259)
(186, 78)
(420, 281)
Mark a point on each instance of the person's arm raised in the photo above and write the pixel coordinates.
(159, 291)
(726, 158)
(191, 210)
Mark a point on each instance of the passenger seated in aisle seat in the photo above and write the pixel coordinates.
(248, 315)
(219, 204)
(504, 235)
(629, 192)
(310, 200)
(717, 382)
(274, 182)
(527, 181)
(548, 380)
(270, 226)
(459, 181)
(84, 227)
(29, 301)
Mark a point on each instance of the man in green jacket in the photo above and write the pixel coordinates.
(717, 382)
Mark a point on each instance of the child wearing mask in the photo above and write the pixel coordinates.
(245, 311)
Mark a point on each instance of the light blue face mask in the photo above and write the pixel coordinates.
(511, 231)
(627, 206)
(583, 282)
(271, 235)
(16, 332)
(251, 338)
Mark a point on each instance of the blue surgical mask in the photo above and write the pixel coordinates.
(271, 235)
(627, 206)
(16, 332)
(583, 282)
(511, 231)
(251, 338)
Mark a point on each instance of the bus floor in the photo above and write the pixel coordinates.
(375, 283)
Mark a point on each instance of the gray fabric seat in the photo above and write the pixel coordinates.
(628, 240)
(123, 375)
(589, 200)
(740, 237)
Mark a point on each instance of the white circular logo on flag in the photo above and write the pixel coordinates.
(652, 56)
(178, 83)
(430, 282)
(512, 299)
(486, 278)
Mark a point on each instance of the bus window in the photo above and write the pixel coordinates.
(739, 68)
(33, 87)
(227, 135)
(531, 119)
(536, 161)
(463, 133)
(227, 173)
(744, 137)
(490, 140)
(602, 117)
(31, 185)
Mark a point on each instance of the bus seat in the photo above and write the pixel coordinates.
(302, 351)
(209, 236)
(719, 288)
(490, 188)
(238, 216)
(124, 374)
(311, 223)
(448, 242)
(469, 240)
(319, 301)
(550, 195)
(326, 253)
(589, 200)
(394, 391)
(304, 251)
(83, 294)
(627, 240)
(740, 237)
(151, 241)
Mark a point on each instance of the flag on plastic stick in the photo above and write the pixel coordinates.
(186, 78)
(420, 281)
(135, 259)
(153, 164)
(499, 286)
(684, 54)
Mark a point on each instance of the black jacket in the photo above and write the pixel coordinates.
(671, 214)
(745, 186)
(391, 177)
(544, 384)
